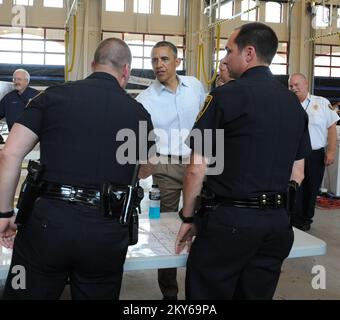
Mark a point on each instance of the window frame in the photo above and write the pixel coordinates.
(330, 66)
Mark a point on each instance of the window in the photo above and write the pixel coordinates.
(170, 8)
(251, 15)
(32, 46)
(322, 17)
(115, 5)
(280, 62)
(23, 2)
(0, 1)
(338, 20)
(226, 11)
(141, 45)
(142, 6)
(54, 3)
(327, 61)
(273, 12)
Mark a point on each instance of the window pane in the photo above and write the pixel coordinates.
(33, 33)
(322, 61)
(246, 5)
(338, 21)
(226, 11)
(115, 5)
(280, 58)
(133, 38)
(35, 46)
(282, 47)
(147, 64)
(180, 53)
(55, 59)
(136, 51)
(10, 57)
(137, 63)
(52, 46)
(55, 34)
(278, 69)
(33, 58)
(177, 41)
(322, 49)
(8, 32)
(322, 72)
(153, 39)
(335, 72)
(54, 3)
(322, 17)
(335, 61)
(170, 8)
(273, 12)
(10, 45)
(0, 1)
(107, 35)
(23, 2)
(142, 6)
(336, 51)
(147, 51)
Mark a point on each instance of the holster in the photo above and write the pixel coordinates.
(122, 202)
(29, 192)
(292, 189)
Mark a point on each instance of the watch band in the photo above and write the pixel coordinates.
(185, 219)
(8, 214)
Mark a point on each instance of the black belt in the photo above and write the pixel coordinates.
(271, 201)
(85, 196)
(173, 157)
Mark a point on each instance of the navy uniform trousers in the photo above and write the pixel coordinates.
(304, 208)
(238, 254)
(67, 242)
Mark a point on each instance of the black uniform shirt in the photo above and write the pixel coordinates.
(265, 131)
(12, 105)
(77, 124)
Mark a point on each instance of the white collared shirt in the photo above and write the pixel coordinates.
(321, 118)
(173, 114)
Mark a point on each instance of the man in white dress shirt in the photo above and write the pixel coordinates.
(173, 102)
(322, 130)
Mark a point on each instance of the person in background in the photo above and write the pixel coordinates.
(12, 105)
(173, 102)
(223, 76)
(322, 130)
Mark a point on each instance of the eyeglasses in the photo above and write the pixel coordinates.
(19, 79)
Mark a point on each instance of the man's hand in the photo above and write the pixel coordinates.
(184, 237)
(329, 158)
(8, 235)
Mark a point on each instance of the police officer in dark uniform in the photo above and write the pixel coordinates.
(67, 236)
(12, 104)
(243, 230)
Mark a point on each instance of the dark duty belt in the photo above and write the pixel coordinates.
(85, 196)
(265, 201)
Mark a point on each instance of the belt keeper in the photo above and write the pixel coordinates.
(263, 202)
(278, 200)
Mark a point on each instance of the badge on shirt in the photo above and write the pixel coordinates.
(316, 107)
(207, 102)
(331, 107)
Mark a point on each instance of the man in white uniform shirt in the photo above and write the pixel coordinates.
(322, 130)
(173, 102)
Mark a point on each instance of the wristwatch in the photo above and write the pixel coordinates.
(8, 214)
(185, 219)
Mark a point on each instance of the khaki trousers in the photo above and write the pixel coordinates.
(169, 178)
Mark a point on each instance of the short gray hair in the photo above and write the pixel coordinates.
(27, 75)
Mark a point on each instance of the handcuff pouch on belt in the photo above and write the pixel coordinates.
(29, 191)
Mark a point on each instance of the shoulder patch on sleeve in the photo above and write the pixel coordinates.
(207, 102)
(331, 107)
(36, 96)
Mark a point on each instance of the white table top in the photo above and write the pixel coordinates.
(155, 248)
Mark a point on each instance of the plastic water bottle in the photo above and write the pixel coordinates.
(155, 202)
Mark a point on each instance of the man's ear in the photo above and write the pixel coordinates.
(250, 53)
(178, 62)
(92, 66)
